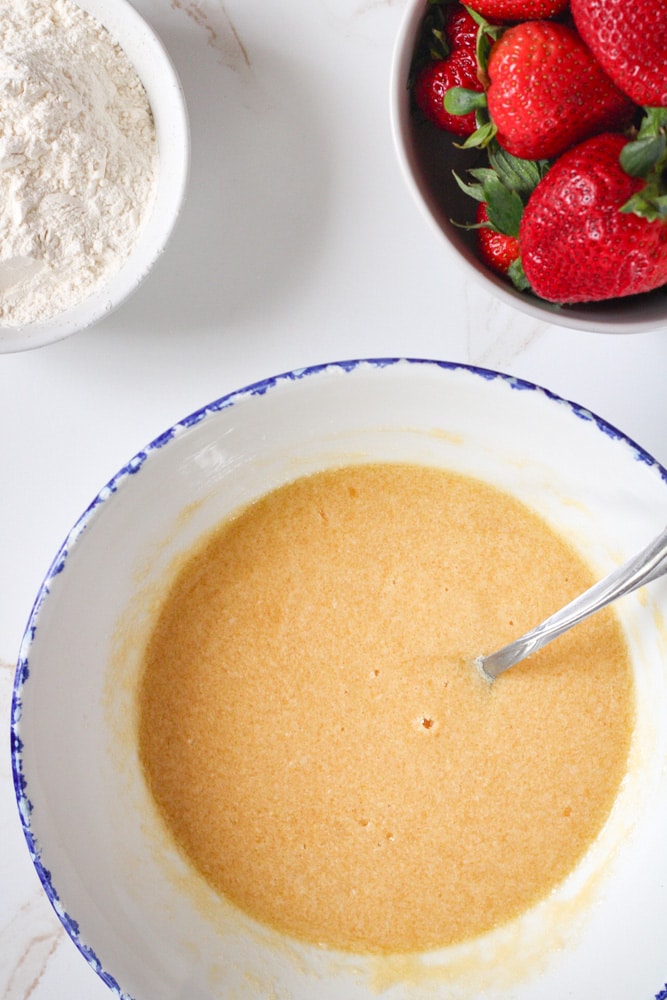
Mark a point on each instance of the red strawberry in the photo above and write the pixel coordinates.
(577, 245)
(433, 82)
(518, 10)
(496, 249)
(547, 92)
(455, 35)
(629, 39)
(460, 28)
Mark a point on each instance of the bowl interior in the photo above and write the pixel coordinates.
(427, 157)
(156, 70)
(141, 918)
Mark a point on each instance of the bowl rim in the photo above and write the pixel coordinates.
(134, 34)
(124, 476)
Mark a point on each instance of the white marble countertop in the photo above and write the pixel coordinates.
(299, 244)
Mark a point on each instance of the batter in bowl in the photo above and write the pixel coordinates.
(318, 741)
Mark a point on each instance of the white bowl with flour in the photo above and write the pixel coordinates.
(94, 162)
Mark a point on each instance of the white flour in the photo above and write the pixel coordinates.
(78, 157)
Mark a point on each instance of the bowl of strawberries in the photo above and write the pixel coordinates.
(533, 133)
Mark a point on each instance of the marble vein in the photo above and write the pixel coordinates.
(221, 34)
(494, 338)
(32, 936)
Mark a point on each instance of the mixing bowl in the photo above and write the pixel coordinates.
(156, 71)
(140, 916)
(427, 156)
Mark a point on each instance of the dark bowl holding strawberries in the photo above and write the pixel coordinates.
(539, 151)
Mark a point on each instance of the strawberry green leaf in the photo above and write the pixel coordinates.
(487, 36)
(494, 30)
(483, 174)
(649, 204)
(504, 207)
(476, 16)
(646, 156)
(481, 137)
(432, 44)
(470, 226)
(654, 121)
(517, 276)
(475, 191)
(640, 157)
(518, 175)
(505, 185)
(439, 46)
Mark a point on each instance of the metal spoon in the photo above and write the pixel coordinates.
(648, 565)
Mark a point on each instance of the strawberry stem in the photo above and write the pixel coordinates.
(461, 100)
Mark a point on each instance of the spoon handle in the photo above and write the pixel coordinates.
(647, 565)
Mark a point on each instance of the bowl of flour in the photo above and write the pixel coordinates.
(94, 161)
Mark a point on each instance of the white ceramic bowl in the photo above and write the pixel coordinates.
(427, 157)
(155, 69)
(141, 919)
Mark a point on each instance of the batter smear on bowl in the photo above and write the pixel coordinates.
(318, 742)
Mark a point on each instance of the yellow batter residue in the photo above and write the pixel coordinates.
(318, 741)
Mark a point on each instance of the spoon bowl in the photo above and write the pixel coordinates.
(647, 565)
